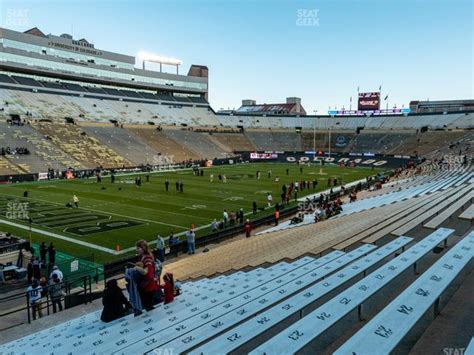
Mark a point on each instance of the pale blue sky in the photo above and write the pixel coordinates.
(259, 49)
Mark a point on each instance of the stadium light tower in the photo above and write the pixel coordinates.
(153, 58)
(314, 133)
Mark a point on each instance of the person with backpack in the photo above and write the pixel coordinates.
(55, 292)
(147, 285)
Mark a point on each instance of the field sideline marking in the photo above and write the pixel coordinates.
(103, 212)
(59, 236)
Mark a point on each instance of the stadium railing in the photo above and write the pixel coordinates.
(76, 291)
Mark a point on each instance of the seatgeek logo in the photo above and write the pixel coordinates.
(307, 18)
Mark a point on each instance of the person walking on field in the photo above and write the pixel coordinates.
(269, 199)
(75, 200)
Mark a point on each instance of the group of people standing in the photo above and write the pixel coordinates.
(144, 286)
(42, 287)
(179, 186)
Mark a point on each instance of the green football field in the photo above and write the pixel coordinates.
(121, 213)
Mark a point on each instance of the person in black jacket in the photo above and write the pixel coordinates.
(43, 250)
(114, 302)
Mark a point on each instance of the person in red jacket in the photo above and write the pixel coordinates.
(147, 285)
(247, 228)
(168, 288)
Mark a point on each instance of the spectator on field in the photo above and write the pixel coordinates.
(191, 239)
(56, 272)
(36, 268)
(214, 225)
(254, 207)
(241, 216)
(147, 284)
(225, 217)
(75, 200)
(43, 250)
(277, 217)
(232, 218)
(160, 248)
(34, 297)
(168, 288)
(55, 292)
(114, 302)
(269, 199)
(29, 270)
(51, 254)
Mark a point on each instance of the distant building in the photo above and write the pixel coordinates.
(292, 107)
(441, 106)
(43, 61)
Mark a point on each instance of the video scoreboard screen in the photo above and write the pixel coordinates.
(369, 101)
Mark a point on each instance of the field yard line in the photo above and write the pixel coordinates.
(104, 212)
(59, 236)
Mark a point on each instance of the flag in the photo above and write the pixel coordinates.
(358, 90)
(351, 98)
(380, 88)
(386, 97)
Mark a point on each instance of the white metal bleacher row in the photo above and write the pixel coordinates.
(468, 213)
(125, 331)
(314, 324)
(91, 322)
(142, 341)
(209, 329)
(439, 184)
(448, 212)
(238, 336)
(81, 327)
(385, 331)
(470, 348)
